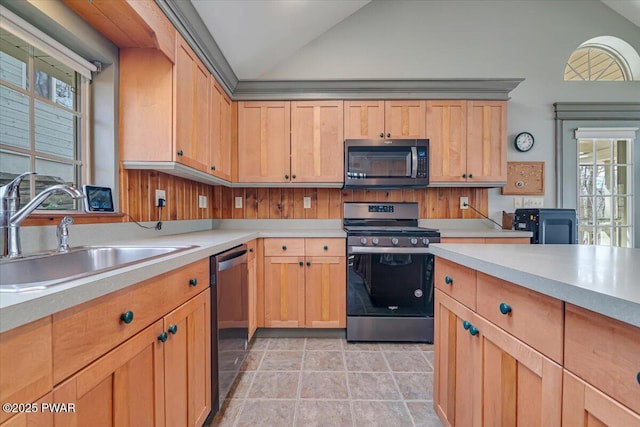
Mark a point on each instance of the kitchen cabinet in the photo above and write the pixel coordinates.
(305, 283)
(192, 108)
(402, 119)
(290, 142)
(317, 151)
(252, 286)
(467, 142)
(26, 371)
(220, 132)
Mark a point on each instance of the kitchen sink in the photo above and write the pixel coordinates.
(43, 270)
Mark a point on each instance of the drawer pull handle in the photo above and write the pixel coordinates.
(300, 263)
(505, 308)
(326, 248)
(448, 280)
(127, 317)
(173, 329)
(193, 282)
(163, 337)
(284, 248)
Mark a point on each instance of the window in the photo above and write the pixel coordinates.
(605, 186)
(603, 59)
(43, 118)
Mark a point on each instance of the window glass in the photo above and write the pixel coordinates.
(54, 130)
(15, 119)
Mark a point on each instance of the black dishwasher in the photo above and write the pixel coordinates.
(229, 320)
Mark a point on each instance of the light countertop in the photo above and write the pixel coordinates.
(600, 279)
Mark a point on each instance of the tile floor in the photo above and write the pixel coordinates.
(329, 382)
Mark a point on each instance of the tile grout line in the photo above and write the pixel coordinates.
(393, 377)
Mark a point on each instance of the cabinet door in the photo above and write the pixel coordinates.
(458, 365)
(325, 292)
(264, 141)
(284, 292)
(187, 362)
(520, 387)
(447, 132)
(404, 119)
(486, 141)
(191, 108)
(363, 119)
(220, 132)
(317, 141)
(586, 406)
(123, 388)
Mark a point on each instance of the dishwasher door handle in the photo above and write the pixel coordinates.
(237, 259)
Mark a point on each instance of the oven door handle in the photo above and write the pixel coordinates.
(414, 162)
(369, 250)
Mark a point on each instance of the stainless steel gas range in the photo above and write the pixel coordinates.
(389, 273)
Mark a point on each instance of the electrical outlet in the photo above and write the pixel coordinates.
(202, 201)
(307, 202)
(533, 202)
(517, 202)
(464, 203)
(161, 194)
(238, 202)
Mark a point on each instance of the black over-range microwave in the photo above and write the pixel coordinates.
(386, 163)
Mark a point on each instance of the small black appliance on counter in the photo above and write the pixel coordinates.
(549, 226)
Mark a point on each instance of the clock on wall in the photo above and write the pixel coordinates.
(523, 142)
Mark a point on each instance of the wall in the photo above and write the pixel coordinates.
(278, 203)
(529, 39)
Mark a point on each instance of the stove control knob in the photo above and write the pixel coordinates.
(394, 241)
(363, 240)
(425, 241)
(375, 242)
(414, 241)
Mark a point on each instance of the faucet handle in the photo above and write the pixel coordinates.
(11, 190)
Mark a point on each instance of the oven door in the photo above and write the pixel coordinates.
(390, 282)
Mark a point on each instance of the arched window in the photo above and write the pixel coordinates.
(603, 59)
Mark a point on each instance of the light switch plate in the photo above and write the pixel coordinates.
(238, 202)
(533, 202)
(202, 201)
(307, 202)
(517, 202)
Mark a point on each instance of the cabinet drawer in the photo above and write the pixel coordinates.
(25, 363)
(325, 247)
(82, 334)
(534, 318)
(605, 353)
(457, 281)
(284, 247)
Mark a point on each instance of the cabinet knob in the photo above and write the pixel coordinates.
(308, 263)
(127, 317)
(389, 135)
(180, 152)
(250, 249)
(213, 168)
(505, 308)
(448, 280)
(163, 337)
(381, 134)
(300, 263)
(326, 248)
(286, 176)
(470, 175)
(173, 329)
(464, 175)
(466, 324)
(473, 331)
(193, 282)
(638, 378)
(284, 248)
(293, 176)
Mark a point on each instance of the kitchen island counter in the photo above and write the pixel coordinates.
(601, 279)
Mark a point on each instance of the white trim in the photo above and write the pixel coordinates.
(36, 38)
(608, 133)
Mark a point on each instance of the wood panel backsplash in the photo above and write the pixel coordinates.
(278, 203)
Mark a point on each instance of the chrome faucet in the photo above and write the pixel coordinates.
(11, 217)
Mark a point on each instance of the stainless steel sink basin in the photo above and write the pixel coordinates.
(41, 271)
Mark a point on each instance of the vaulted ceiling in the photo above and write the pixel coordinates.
(255, 36)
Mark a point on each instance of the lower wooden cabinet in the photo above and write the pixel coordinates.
(305, 283)
(486, 377)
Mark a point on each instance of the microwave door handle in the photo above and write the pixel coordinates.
(414, 162)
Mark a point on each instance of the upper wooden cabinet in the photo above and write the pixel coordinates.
(281, 142)
(220, 131)
(384, 119)
(191, 109)
(129, 23)
(467, 142)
